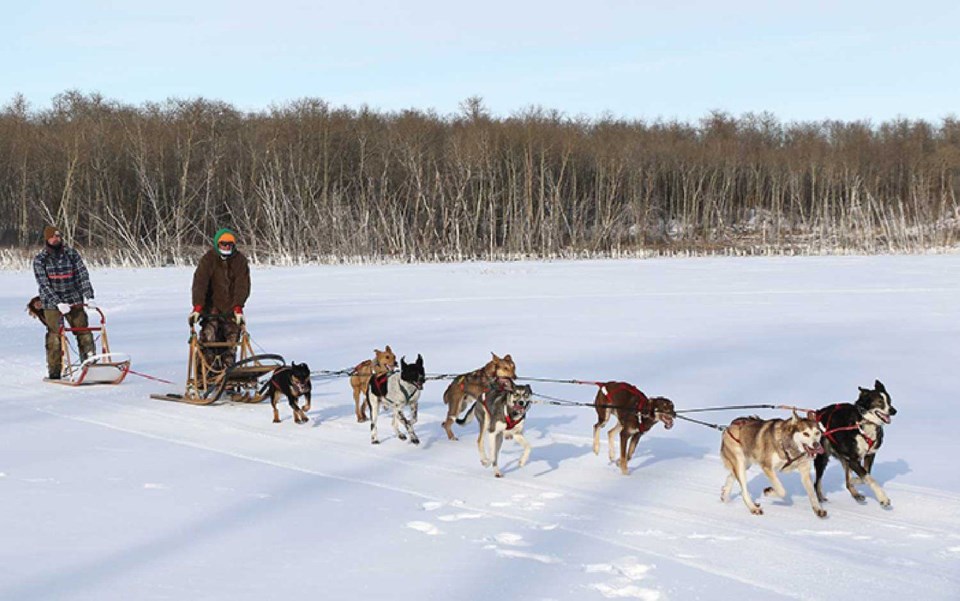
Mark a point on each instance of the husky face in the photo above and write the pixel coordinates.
(413, 373)
(518, 401)
(875, 405)
(806, 435)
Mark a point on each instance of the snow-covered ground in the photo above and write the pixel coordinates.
(107, 494)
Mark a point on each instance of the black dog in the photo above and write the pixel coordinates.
(292, 381)
(853, 433)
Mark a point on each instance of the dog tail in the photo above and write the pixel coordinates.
(463, 420)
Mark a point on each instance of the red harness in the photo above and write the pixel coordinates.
(613, 387)
(379, 384)
(829, 432)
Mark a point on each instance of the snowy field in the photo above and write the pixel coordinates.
(107, 494)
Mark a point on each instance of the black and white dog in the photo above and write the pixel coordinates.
(399, 391)
(853, 434)
(500, 413)
(292, 381)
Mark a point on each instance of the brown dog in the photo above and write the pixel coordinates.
(35, 308)
(636, 414)
(383, 362)
(497, 373)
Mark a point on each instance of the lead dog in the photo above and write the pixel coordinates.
(635, 413)
(292, 381)
(500, 414)
(854, 434)
(383, 363)
(496, 374)
(776, 445)
(399, 391)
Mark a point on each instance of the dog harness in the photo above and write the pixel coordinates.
(378, 384)
(829, 432)
(641, 399)
(737, 422)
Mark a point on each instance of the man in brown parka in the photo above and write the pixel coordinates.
(221, 286)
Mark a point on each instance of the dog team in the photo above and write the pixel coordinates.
(851, 432)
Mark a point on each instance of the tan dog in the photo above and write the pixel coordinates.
(497, 373)
(383, 362)
(636, 414)
(776, 445)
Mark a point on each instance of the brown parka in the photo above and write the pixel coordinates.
(221, 284)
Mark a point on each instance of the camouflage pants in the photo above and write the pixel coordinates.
(219, 330)
(77, 318)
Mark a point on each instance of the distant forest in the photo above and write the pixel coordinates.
(305, 181)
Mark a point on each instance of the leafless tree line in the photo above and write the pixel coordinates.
(308, 182)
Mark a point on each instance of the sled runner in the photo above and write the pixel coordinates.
(105, 367)
(206, 383)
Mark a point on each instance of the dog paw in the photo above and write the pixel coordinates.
(756, 510)
(402, 436)
(768, 491)
(276, 421)
(374, 442)
(821, 513)
(485, 462)
(498, 474)
(414, 440)
(860, 499)
(885, 503)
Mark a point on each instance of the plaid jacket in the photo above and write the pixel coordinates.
(62, 277)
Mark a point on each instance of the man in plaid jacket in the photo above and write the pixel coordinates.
(64, 286)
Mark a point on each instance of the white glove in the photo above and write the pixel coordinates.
(91, 304)
(64, 308)
(193, 318)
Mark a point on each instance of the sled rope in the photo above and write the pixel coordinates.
(149, 377)
(707, 424)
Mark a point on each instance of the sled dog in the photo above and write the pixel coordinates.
(400, 391)
(853, 433)
(292, 381)
(383, 362)
(500, 414)
(498, 373)
(636, 415)
(776, 445)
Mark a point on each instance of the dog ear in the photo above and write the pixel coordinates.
(507, 357)
(878, 386)
(495, 357)
(794, 418)
(419, 360)
(377, 352)
(403, 362)
(388, 349)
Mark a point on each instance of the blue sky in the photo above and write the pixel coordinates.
(638, 59)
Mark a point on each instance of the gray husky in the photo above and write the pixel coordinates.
(776, 445)
(500, 414)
